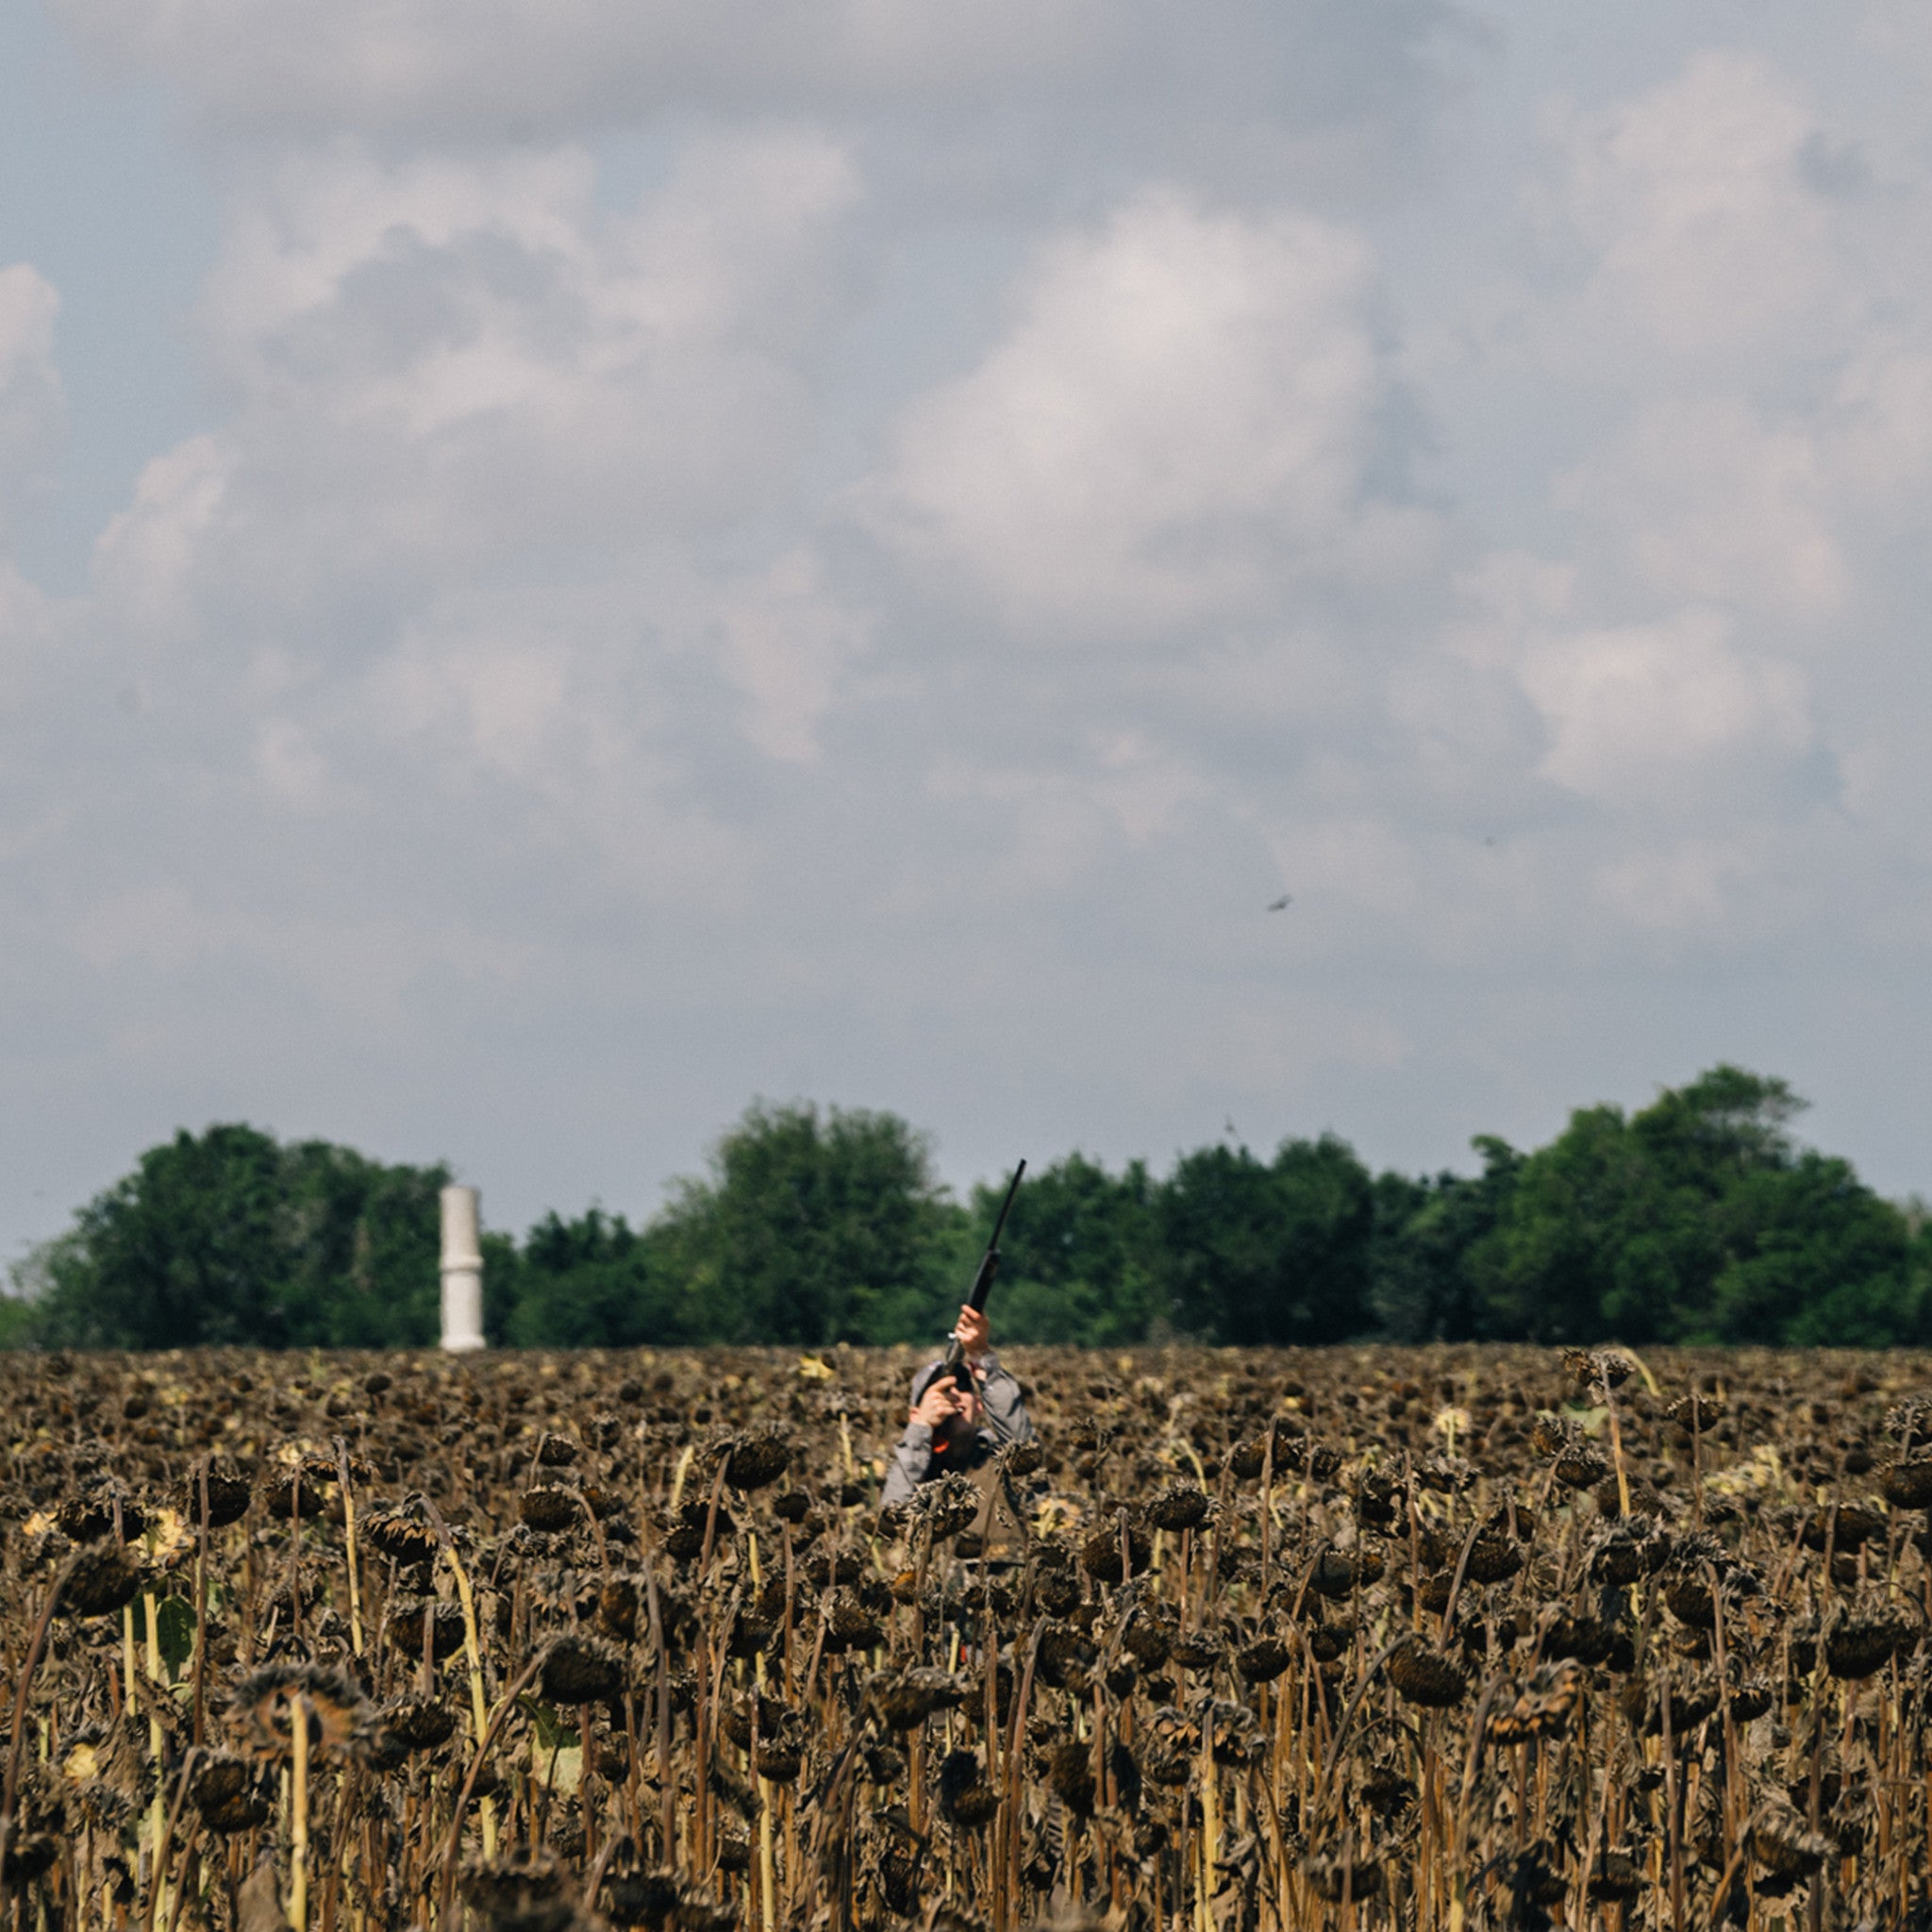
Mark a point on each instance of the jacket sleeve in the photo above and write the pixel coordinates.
(1007, 1420)
(906, 1469)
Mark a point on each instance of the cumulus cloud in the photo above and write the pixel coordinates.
(1179, 419)
(439, 361)
(1646, 710)
(1702, 233)
(1699, 498)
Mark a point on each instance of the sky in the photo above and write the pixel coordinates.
(564, 566)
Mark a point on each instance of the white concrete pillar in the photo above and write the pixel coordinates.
(462, 1271)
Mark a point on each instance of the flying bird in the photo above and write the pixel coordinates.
(1278, 905)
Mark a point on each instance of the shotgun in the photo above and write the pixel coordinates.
(955, 1364)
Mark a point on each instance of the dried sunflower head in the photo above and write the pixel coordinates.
(328, 1704)
(781, 1750)
(29, 1856)
(288, 1493)
(1425, 1676)
(90, 1514)
(1492, 1558)
(1616, 1878)
(1597, 1368)
(1070, 1773)
(1167, 1752)
(1064, 1654)
(526, 1891)
(405, 1625)
(549, 1509)
(400, 1536)
(735, 1718)
(1385, 1790)
(1196, 1650)
(228, 1493)
(683, 1528)
(1336, 1876)
(1148, 1631)
(1338, 1573)
(103, 1579)
(1845, 1526)
(1686, 1701)
(1588, 1640)
(1377, 1502)
(1234, 1733)
(1783, 1845)
(580, 1669)
(1626, 1551)
(105, 1807)
(1861, 1642)
(1907, 1483)
(661, 1902)
(1697, 1412)
(1579, 1467)
(1102, 1553)
(965, 1796)
(755, 1457)
(1542, 1705)
(415, 1724)
(1263, 1659)
(1910, 1420)
(1178, 1505)
(224, 1793)
(902, 1700)
(939, 1509)
(849, 1624)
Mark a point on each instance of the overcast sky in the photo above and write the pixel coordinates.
(567, 563)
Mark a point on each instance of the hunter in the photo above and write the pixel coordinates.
(947, 1428)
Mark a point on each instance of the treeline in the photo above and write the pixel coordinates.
(1697, 1218)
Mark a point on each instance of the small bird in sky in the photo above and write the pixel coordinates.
(1279, 904)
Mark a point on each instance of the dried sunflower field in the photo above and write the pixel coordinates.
(1425, 1638)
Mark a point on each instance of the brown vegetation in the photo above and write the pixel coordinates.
(1367, 1636)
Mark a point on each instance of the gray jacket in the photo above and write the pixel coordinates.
(1004, 1420)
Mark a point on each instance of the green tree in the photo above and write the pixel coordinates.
(1568, 1255)
(190, 1249)
(810, 1229)
(16, 1322)
(1421, 1287)
(595, 1282)
(227, 1238)
(1696, 1220)
(1259, 1254)
(1080, 1257)
(364, 1250)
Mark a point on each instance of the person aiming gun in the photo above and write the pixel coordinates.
(965, 1406)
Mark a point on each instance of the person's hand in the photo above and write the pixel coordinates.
(939, 1405)
(974, 1331)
